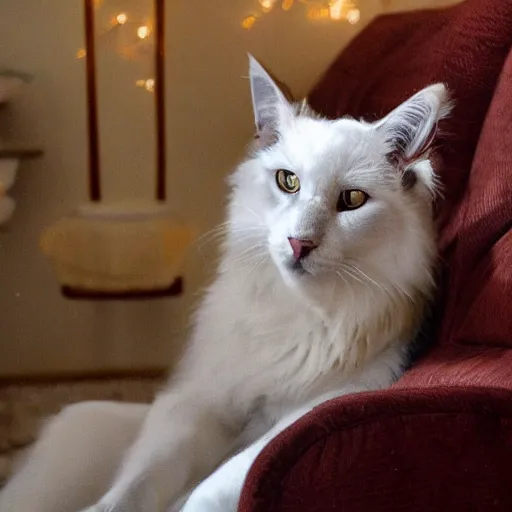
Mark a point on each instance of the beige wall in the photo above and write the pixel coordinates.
(209, 123)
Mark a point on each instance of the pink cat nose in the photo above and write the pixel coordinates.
(301, 248)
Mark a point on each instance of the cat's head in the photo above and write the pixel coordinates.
(340, 199)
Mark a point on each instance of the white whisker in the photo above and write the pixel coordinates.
(342, 277)
(258, 264)
(348, 271)
(366, 276)
(250, 210)
(249, 249)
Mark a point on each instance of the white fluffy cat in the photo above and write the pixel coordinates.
(326, 270)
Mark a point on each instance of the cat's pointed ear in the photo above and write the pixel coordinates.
(269, 102)
(411, 128)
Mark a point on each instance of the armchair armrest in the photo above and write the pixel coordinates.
(421, 450)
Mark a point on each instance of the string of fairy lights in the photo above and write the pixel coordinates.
(333, 10)
(138, 40)
(138, 33)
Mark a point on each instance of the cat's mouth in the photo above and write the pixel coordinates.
(298, 267)
(292, 266)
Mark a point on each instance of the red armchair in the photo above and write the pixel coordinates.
(441, 438)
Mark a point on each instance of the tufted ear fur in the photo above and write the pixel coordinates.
(270, 104)
(410, 129)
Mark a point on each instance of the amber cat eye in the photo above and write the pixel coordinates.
(287, 181)
(351, 200)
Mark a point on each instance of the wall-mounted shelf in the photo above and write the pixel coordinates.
(20, 154)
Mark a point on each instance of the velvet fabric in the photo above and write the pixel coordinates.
(415, 450)
(441, 438)
(478, 307)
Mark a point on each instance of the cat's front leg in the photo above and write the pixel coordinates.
(184, 437)
(221, 491)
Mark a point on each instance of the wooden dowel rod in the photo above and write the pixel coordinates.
(92, 103)
(160, 100)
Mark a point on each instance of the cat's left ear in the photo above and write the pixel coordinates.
(270, 105)
(411, 128)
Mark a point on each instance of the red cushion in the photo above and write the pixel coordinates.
(463, 46)
(436, 449)
(479, 298)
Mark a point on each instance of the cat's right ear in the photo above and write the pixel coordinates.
(271, 108)
(411, 128)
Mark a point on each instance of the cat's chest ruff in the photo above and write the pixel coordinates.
(268, 322)
(286, 349)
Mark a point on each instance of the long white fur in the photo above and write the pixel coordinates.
(269, 342)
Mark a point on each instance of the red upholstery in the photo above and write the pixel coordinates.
(441, 438)
(444, 449)
(459, 366)
(481, 263)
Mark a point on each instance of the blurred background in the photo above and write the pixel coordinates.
(209, 123)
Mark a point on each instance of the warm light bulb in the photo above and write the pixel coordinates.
(143, 32)
(150, 84)
(248, 22)
(121, 18)
(81, 53)
(287, 5)
(353, 16)
(336, 9)
(267, 5)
